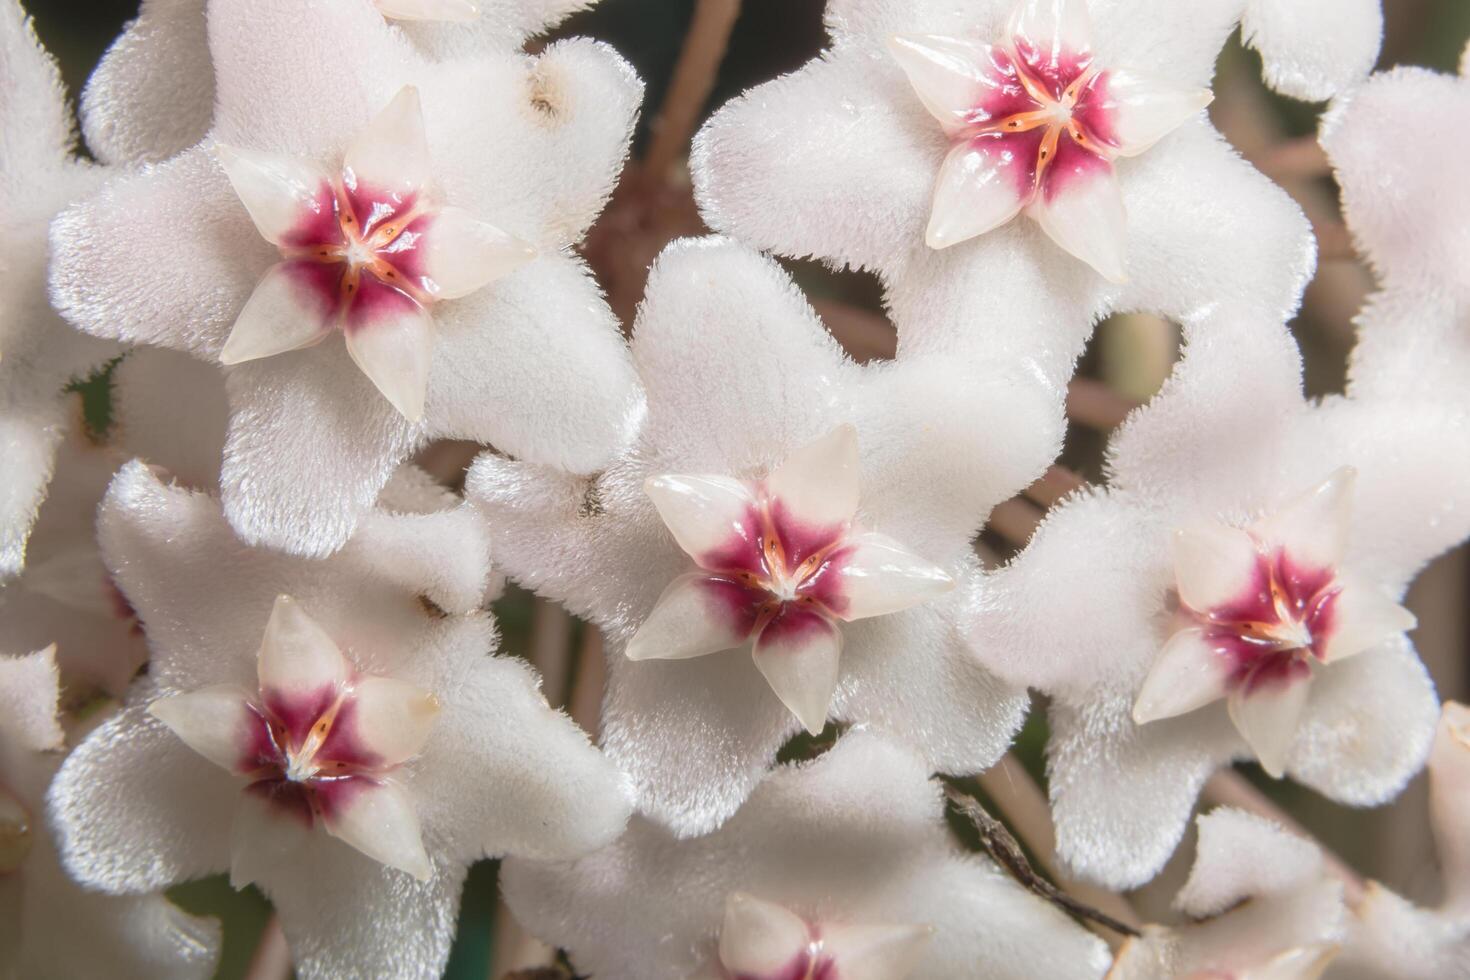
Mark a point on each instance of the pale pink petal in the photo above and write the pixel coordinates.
(949, 75)
(394, 349)
(760, 938)
(1449, 803)
(706, 514)
(380, 821)
(880, 576)
(980, 187)
(1267, 718)
(283, 313)
(263, 838)
(1051, 28)
(1189, 674)
(297, 657)
(1363, 617)
(1214, 565)
(694, 616)
(391, 719)
(876, 952)
(449, 10)
(214, 721)
(391, 154)
(1140, 109)
(1313, 528)
(817, 485)
(1085, 217)
(798, 653)
(463, 253)
(278, 191)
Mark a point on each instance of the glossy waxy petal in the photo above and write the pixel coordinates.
(1363, 617)
(215, 721)
(760, 938)
(798, 653)
(394, 348)
(695, 615)
(1267, 718)
(711, 517)
(981, 186)
(869, 951)
(1215, 566)
(878, 576)
(446, 10)
(391, 154)
(285, 312)
(1142, 109)
(299, 659)
(948, 74)
(279, 191)
(817, 485)
(1313, 528)
(391, 719)
(1188, 675)
(1086, 218)
(463, 253)
(380, 821)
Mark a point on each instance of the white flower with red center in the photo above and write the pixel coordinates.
(840, 868)
(774, 545)
(762, 940)
(43, 911)
(351, 752)
(318, 743)
(844, 160)
(1267, 605)
(1209, 606)
(1259, 905)
(366, 251)
(782, 565)
(363, 162)
(1036, 122)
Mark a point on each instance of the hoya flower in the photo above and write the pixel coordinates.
(43, 913)
(152, 94)
(781, 494)
(350, 749)
(1314, 49)
(350, 199)
(781, 565)
(1410, 217)
(911, 144)
(1260, 906)
(39, 352)
(1392, 937)
(839, 867)
(65, 596)
(1233, 594)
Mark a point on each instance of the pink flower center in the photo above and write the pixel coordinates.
(810, 964)
(303, 754)
(359, 250)
(775, 571)
(1278, 623)
(1049, 109)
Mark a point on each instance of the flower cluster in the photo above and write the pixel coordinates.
(327, 238)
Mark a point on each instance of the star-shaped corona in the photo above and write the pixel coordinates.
(367, 250)
(761, 940)
(1260, 609)
(1035, 123)
(317, 744)
(450, 10)
(781, 563)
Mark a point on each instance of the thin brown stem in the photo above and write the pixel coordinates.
(1015, 520)
(585, 704)
(272, 958)
(1054, 485)
(1302, 157)
(1095, 405)
(1230, 788)
(690, 87)
(1002, 847)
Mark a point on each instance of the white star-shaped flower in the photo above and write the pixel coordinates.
(1259, 906)
(533, 363)
(43, 912)
(152, 94)
(834, 503)
(842, 867)
(1232, 594)
(1393, 938)
(351, 750)
(39, 352)
(1410, 216)
(844, 160)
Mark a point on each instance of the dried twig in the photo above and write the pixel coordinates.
(1001, 846)
(689, 89)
